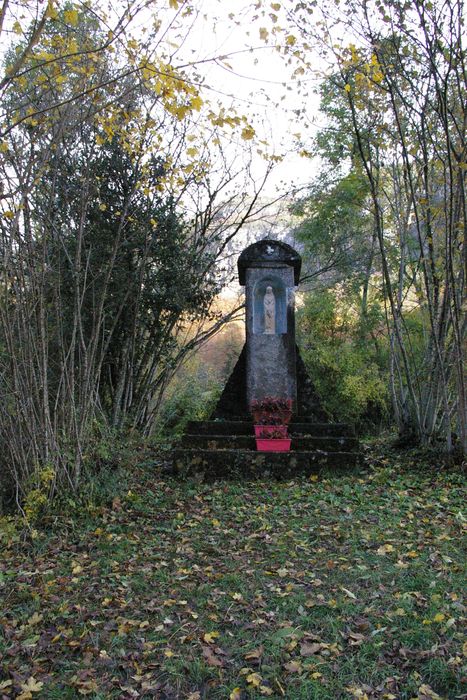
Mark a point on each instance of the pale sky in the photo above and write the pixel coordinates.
(256, 82)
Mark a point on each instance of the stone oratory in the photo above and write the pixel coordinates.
(269, 365)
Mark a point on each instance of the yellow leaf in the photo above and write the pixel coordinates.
(439, 617)
(291, 40)
(236, 694)
(180, 112)
(265, 690)
(209, 637)
(276, 6)
(25, 695)
(254, 679)
(51, 11)
(71, 17)
(32, 686)
(196, 103)
(3, 147)
(8, 214)
(314, 477)
(173, 4)
(384, 549)
(426, 691)
(17, 28)
(347, 87)
(102, 207)
(248, 133)
(35, 619)
(263, 34)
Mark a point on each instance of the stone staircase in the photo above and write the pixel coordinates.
(217, 449)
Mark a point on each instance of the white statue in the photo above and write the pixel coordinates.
(269, 312)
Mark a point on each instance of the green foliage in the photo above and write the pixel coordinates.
(345, 357)
(192, 396)
(38, 488)
(335, 228)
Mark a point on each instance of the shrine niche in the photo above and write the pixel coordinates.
(270, 306)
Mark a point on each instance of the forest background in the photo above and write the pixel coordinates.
(130, 184)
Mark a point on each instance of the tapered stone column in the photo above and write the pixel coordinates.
(270, 271)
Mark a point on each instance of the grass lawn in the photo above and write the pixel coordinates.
(340, 587)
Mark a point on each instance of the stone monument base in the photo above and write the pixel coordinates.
(225, 447)
(233, 400)
(220, 449)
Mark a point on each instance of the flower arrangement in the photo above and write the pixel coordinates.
(271, 432)
(271, 410)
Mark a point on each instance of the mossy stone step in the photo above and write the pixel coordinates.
(296, 427)
(248, 464)
(247, 442)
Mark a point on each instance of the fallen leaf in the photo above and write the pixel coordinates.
(210, 658)
(349, 593)
(209, 637)
(293, 667)
(309, 649)
(34, 619)
(425, 692)
(355, 638)
(384, 549)
(254, 679)
(236, 694)
(32, 686)
(255, 654)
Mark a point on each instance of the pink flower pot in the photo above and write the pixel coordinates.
(276, 445)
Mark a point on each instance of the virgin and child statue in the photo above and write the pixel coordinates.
(269, 312)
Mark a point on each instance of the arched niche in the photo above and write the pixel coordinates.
(280, 297)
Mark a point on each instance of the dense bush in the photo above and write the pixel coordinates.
(345, 356)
